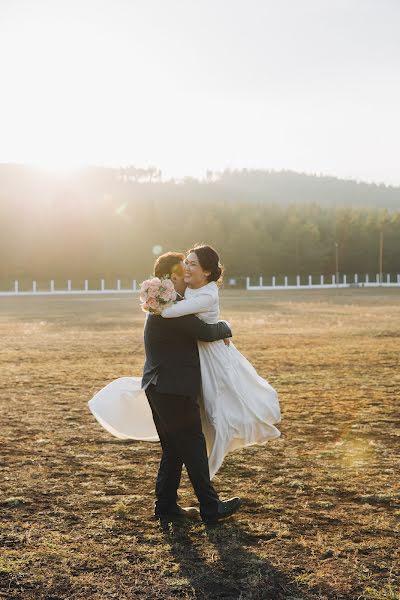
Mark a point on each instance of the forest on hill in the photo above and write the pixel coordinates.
(103, 222)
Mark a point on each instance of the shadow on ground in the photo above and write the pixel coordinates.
(235, 570)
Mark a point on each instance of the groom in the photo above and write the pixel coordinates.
(173, 379)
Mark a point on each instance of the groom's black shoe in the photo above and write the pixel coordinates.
(178, 512)
(225, 509)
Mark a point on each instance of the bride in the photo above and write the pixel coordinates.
(238, 407)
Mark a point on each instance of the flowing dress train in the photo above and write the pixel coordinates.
(238, 407)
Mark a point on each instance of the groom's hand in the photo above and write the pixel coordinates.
(227, 341)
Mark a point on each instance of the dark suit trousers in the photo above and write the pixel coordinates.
(178, 423)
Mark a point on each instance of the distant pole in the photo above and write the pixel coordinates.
(381, 258)
(337, 262)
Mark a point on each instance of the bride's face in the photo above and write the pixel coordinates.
(195, 276)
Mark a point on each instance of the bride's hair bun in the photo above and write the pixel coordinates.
(209, 261)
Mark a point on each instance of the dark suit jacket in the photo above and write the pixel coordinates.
(171, 351)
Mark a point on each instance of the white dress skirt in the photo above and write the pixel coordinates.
(238, 407)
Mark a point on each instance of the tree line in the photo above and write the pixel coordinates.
(99, 223)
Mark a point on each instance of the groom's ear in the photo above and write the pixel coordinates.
(175, 277)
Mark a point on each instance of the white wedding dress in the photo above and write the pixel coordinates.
(238, 407)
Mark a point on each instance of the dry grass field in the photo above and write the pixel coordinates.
(321, 505)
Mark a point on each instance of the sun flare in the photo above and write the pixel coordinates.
(59, 109)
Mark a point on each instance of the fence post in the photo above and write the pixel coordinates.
(322, 280)
(398, 278)
(345, 279)
(102, 285)
(86, 285)
(367, 278)
(69, 285)
(52, 285)
(298, 280)
(388, 278)
(260, 282)
(310, 280)
(286, 280)
(356, 278)
(333, 279)
(134, 285)
(273, 280)
(378, 279)
(16, 287)
(118, 284)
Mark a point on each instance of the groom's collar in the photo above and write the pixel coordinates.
(179, 296)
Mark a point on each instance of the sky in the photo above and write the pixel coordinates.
(191, 85)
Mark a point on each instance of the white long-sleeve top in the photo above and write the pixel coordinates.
(203, 302)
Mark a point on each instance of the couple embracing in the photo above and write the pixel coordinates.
(205, 398)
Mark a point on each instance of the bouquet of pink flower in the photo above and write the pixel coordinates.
(156, 294)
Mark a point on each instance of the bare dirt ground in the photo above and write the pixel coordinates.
(321, 505)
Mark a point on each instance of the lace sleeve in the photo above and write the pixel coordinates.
(197, 304)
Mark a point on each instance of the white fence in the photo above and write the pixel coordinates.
(321, 283)
(51, 291)
(309, 283)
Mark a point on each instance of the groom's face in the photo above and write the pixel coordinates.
(177, 278)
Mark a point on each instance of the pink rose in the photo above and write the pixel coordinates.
(167, 283)
(145, 307)
(166, 296)
(154, 291)
(152, 303)
(155, 281)
(144, 286)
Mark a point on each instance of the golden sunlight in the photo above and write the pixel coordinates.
(59, 114)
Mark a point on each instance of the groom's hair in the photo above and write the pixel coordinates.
(168, 263)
